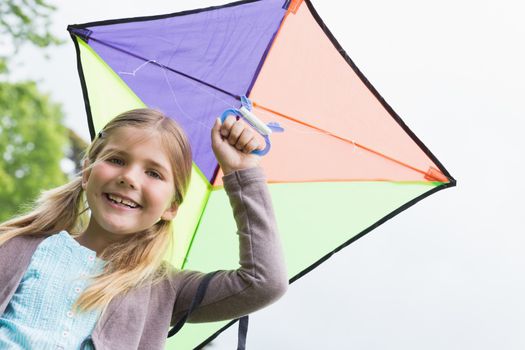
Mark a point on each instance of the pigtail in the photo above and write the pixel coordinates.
(133, 262)
(58, 209)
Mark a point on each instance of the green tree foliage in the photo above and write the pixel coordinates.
(32, 138)
(32, 144)
(21, 22)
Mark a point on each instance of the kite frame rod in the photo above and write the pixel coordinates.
(368, 149)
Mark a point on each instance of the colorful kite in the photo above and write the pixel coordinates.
(345, 163)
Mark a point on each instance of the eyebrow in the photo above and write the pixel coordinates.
(149, 161)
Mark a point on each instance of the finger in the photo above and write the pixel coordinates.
(227, 125)
(235, 132)
(216, 132)
(251, 146)
(246, 136)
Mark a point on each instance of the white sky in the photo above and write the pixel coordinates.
(448, 272)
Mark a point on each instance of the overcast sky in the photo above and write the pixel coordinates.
(447, 273)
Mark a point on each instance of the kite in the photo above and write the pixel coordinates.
(344, 164)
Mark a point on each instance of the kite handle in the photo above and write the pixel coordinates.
(263, 129)
(238, 113)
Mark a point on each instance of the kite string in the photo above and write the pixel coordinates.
(172, 90)
(138, 68)
(174, 96)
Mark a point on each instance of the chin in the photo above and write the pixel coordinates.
(119, 226)
(123, 230)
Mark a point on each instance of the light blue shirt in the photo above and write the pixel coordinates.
(40, 315)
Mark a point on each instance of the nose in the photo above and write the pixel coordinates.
(128, 178)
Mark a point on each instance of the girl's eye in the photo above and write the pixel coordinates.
(154, 174)
(116, 161)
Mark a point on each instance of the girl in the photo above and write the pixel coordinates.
(134, 178)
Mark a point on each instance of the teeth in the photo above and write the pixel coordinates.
(128, 203)
(122, 201)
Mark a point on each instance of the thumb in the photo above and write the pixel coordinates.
(216, 132)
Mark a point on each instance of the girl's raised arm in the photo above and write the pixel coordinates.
(261, 278)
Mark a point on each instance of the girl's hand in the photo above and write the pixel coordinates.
(232, 142)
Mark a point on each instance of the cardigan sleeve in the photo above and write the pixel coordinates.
(261, 278)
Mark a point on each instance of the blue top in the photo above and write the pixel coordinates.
(39, 315)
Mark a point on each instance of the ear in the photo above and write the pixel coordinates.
(170, 213)
(85, 174)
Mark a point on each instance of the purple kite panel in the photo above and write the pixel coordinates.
(191, 66)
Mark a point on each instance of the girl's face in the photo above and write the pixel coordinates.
(131, 190)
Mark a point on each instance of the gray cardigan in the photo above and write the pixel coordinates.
(140, 319)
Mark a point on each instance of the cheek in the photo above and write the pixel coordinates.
(99, 172)
(99, 176)
(164, 195)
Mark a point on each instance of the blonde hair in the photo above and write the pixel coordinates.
(135, 260)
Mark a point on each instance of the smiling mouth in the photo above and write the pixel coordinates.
(121, 202)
